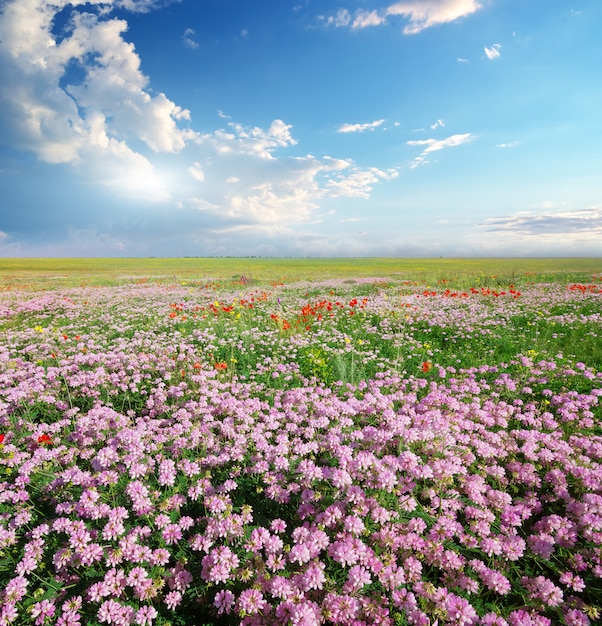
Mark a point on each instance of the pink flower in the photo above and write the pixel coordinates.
(224, 601)
(42, 610)
(172, 533)
(8, 613)
(354, 525)
(278, 526)
(173, 599)
(306, 613)
(250, 602)
(574, 617)
(146, 615)
(313, 577)
(357, 577)
(574, 582)
(342, 609)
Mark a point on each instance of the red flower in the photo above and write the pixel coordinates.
(221, 365)
(1, 439)
(45, 440)
(427, 366)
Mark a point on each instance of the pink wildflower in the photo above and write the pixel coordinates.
(224, 601)
(146, 615)
(250, 602)
(42, 610)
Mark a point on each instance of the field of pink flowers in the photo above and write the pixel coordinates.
(340, 452)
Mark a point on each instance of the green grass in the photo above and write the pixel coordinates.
(40, 274)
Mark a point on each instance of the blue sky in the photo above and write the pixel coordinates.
(301, 128)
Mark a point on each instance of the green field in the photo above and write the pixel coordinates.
(53, 273)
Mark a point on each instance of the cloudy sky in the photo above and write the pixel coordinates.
(300, 128)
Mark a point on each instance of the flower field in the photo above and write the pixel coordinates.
(356, 452)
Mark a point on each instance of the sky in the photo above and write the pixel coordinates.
(411, 128)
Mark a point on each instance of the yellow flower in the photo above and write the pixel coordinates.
(38, 329)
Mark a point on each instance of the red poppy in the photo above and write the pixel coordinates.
(45, 439)
(1, 439)
(427, 366)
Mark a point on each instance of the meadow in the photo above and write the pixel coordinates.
(302, 441)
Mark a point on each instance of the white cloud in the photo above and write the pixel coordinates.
(433, 145)
(135, 6)
(115, 86)
(426, 13)
(438, 124)
(340, 19)
(462, 60)
(565, 226)
(359, 128)
(269, 189)
(58, 121)
(420, 14)
(188, 38)
(115, 131)
(364, 19)
(251, 141)
(196, 171)
(113, 163)
(510, 144)
(493, 52)
(359, 183)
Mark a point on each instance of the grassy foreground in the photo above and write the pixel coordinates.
(372, 442)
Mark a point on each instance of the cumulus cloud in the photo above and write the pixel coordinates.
(360, 128)
(270, 188)
(434, 145)
(106, 122)
(114, 164)
(419, 14)
(251, 141)
(66, 122)
(493, 52)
